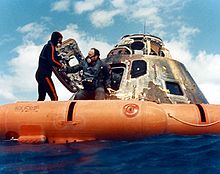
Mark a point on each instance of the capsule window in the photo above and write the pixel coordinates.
(119, 52)
(139, 68)
(138, 45)
(116, 76)
(174, 88)
(155, 48)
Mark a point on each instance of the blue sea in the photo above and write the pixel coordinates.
(163, 154)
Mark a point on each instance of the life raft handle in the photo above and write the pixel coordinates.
(191, 124)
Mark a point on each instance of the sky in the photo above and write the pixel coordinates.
(190, 29)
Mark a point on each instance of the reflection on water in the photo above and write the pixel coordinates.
(167, 154)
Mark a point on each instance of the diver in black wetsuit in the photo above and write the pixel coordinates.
(48, 58)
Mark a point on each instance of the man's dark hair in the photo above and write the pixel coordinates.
(55, 36)
(96, 52)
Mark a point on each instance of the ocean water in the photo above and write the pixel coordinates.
(159, 154)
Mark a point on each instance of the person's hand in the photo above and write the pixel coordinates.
(110, 90)
(63, 68)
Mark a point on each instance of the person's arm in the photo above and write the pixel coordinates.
(51, 55)
(74, 69)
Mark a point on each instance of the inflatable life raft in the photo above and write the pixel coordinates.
(74, 121)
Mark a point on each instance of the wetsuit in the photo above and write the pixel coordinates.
(95, 78)
(48, 58)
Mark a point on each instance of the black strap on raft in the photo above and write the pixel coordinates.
(70, 111)
(202, 113)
